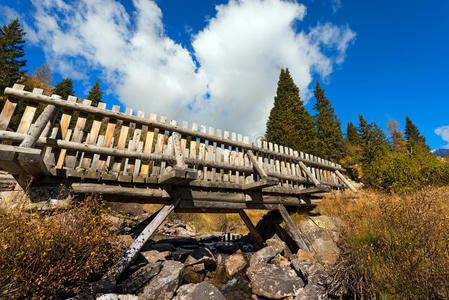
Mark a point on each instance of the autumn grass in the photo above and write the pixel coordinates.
(394, 247)
(49, 256)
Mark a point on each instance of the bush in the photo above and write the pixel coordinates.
(53, 255)
(394, 247)
(404, 172)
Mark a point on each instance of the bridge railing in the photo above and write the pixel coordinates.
(147, 149)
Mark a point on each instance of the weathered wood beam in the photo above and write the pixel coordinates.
(255, 234)
(309, 174)
(345, 181)
(155, 124)
(293, 229)
(38, 127)
(258, 168)
(131, 253)
(262, 183)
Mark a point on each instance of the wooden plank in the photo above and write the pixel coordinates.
(149, 141)
(77, 136)
(211, 155)
(132, 146)
(345, 181)
(60, 162)
(308, 173)
(202, 154)
(293, 229)
(9, 108)
(234, 160)
(254, 233)
(256, 165)
(226, 158)
(92, 139)
(27, 118)
(121, 143)
(131, 253)
(108, 138)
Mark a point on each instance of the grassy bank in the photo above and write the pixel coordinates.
(394, 247)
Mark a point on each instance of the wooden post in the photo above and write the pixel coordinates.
(309, 174)
(131, 253)
(38, 127)
(256, 235)
(345, 181)
(293, 230)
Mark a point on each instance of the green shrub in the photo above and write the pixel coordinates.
(45, 256)
(404, 172)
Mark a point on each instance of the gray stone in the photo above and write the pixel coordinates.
(117, 297)
(273, 281)
(311, 272)
(164, 285)
(264, 255)
(312, 292)
(200, 291)
(234, 263)
(153, 256)
(138, 278)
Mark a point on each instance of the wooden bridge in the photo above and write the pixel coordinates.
(148, 159)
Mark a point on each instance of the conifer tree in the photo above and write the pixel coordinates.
(373, 140)
(289, 123)
(330, 137)
(11, 54)
(413, 136)
(352, 136)
(64, 88)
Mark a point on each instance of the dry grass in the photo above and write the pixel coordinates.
(394, 247)
(45, 256)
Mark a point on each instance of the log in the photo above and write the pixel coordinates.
(345, 181)
(255, 234)
(131, 253)
(309, 174)
(293, 230)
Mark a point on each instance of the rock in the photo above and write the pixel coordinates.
(201, 255)
(272, 281)
(311, 292)
(181, 254)
(303, 254)
(164, 285)
(311, 272)
(281, 261)
(153, 256)
(184, 292)
(200, 291)
(138, 278)
(220, 271)
(322, 231)
(234, 263)
(277, 244)
(117, 297)
(264, 255)
(192, 276)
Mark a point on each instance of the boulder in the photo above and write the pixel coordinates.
(312, 273)
(138, 278)
(234, 263)
(312, 292)
(164, 285)
(153, 256)
(193, 276)
(264, 255)
(200, 291)
(117, 297)
(201, 255)
(273, 281)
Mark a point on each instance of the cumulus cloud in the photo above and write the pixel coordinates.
(229, 79)
(443, 132)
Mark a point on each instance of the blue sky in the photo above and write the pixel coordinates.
(195, 60)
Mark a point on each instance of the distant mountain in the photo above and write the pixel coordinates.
(441, 152)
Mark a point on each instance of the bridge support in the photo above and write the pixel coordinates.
(131, 253)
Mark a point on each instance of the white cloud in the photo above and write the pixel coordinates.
(227, 82)
(443, 132)
(336, 5)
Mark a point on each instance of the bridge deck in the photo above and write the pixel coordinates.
(129, 157)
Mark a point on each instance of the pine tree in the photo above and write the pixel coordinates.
(64, 88)
(413, 136)
(289, 123)
(352, 136)
(95, 95)
(330, 137)
(11, 53)
(373, 140)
